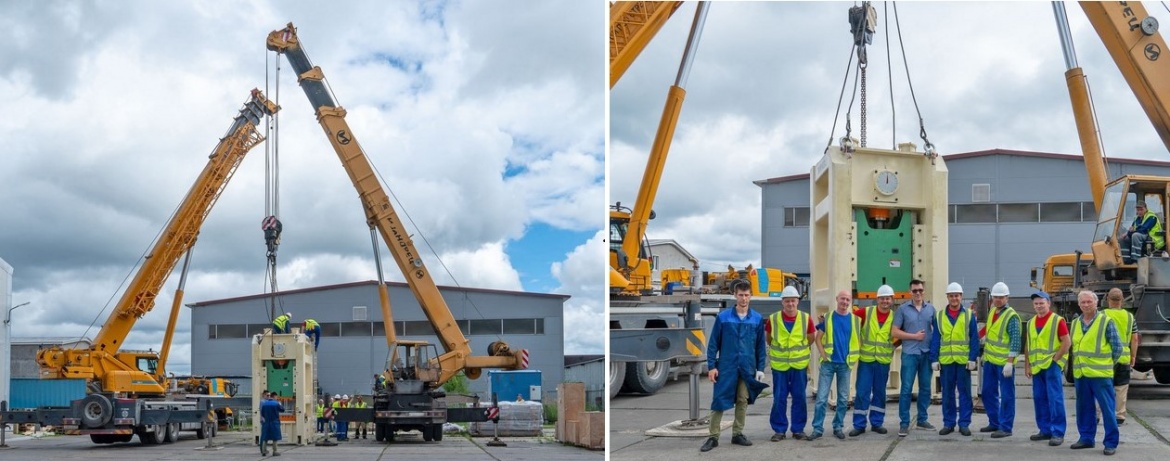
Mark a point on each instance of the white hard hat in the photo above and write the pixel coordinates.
(344, 396)
(789, 292)
(885, 290)
(954, 288)
(336, 396)
(999, 289)
(289, 314)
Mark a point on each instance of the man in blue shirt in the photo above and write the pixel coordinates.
(839, 345)
(914, 325)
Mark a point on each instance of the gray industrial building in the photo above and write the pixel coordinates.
(353, 342)
(1009, 210)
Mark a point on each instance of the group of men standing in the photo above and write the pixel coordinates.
(742, 344)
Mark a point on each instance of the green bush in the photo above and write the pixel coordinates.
(550, 412)
(457, 385)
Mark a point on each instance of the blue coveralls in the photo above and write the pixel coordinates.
(270, 411)
(737, 348)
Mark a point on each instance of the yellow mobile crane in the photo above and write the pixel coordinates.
(126, 389)
(412, 399)
(1131, 36)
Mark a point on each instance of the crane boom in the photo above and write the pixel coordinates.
(100, 362)
(631, 26)
(380, 214)
(1131, 36)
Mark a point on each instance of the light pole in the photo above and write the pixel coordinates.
(8, 316)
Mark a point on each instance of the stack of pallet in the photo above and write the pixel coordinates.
(574, 424)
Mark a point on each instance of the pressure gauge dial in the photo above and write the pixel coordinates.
(886, 182)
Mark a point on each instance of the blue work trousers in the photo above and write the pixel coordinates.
(999, 397)
(342, 430)
(1048, 400)
(829, 372)
(871, 394)
(956, 381)
(321, 423)
(914, 365)
(789, 383)
(1092, 392)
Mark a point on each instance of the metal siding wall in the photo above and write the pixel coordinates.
(347, 364)
(593, 375)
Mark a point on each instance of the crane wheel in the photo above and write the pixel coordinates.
(96, 410)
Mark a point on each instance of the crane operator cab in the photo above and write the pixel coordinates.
(1123, 235)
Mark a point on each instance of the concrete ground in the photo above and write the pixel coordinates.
(1143, 436)
(239, 445)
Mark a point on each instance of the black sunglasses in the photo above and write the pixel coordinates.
(917, 291)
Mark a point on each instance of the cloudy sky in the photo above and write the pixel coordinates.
(487, 123)
(763, 92)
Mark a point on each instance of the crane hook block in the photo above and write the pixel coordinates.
(271, 227)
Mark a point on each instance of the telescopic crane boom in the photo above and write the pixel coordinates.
(380, 214)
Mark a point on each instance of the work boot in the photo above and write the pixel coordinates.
(946, 430)
(1081, 445)
(925, 425)
(1055, 441)
(711, 443)
(739, 439)
(814, 436)
(799, 436)
(879, 430)
(965, 431)
(838, 433)
(988, 429)
(1039, 437)
(856, 432)
(1110, 451)
(778, 437)
(1000, 434)
(903, 431)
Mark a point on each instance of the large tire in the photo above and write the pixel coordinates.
(617, 377)
(96, 411)
(1162, 375)
(201, 433)
(379, 432)
(646, 377)
(172, 433)
(437, 432)
(151, 435)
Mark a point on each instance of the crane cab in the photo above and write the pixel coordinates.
(1118, 211)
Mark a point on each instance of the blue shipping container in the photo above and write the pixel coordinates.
(508, 385)
(34, 392)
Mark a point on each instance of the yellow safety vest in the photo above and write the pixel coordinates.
(1156, 231)
(955, 345)
(310, 324)
(995, 350)
(280, 322)
(1043, 344)
(359, 405)
(854, 338)
(789, 349)
(1124, 321)
(877, 345)
(321, 410)
(1092, 360)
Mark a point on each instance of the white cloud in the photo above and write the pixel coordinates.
(581, 275)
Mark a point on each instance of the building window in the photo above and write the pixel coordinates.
(356, 329)
(418, 328)
(486, 327)
(1088, 212)
(378, 328)
(655, 265)
(519, 326)
(465, 327)
(975, 213)
(1060, 212)
(796, 216)
(359, 313)
(980, 193)
(1018, 212)
(230, 331)
(211, 332)
(257, 328)
(540, 326)
(331, 329)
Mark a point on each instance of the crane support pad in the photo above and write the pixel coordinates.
(42, 416)
(656, 344)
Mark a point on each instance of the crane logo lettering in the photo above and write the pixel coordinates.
(1153, 51)
(343, 137)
